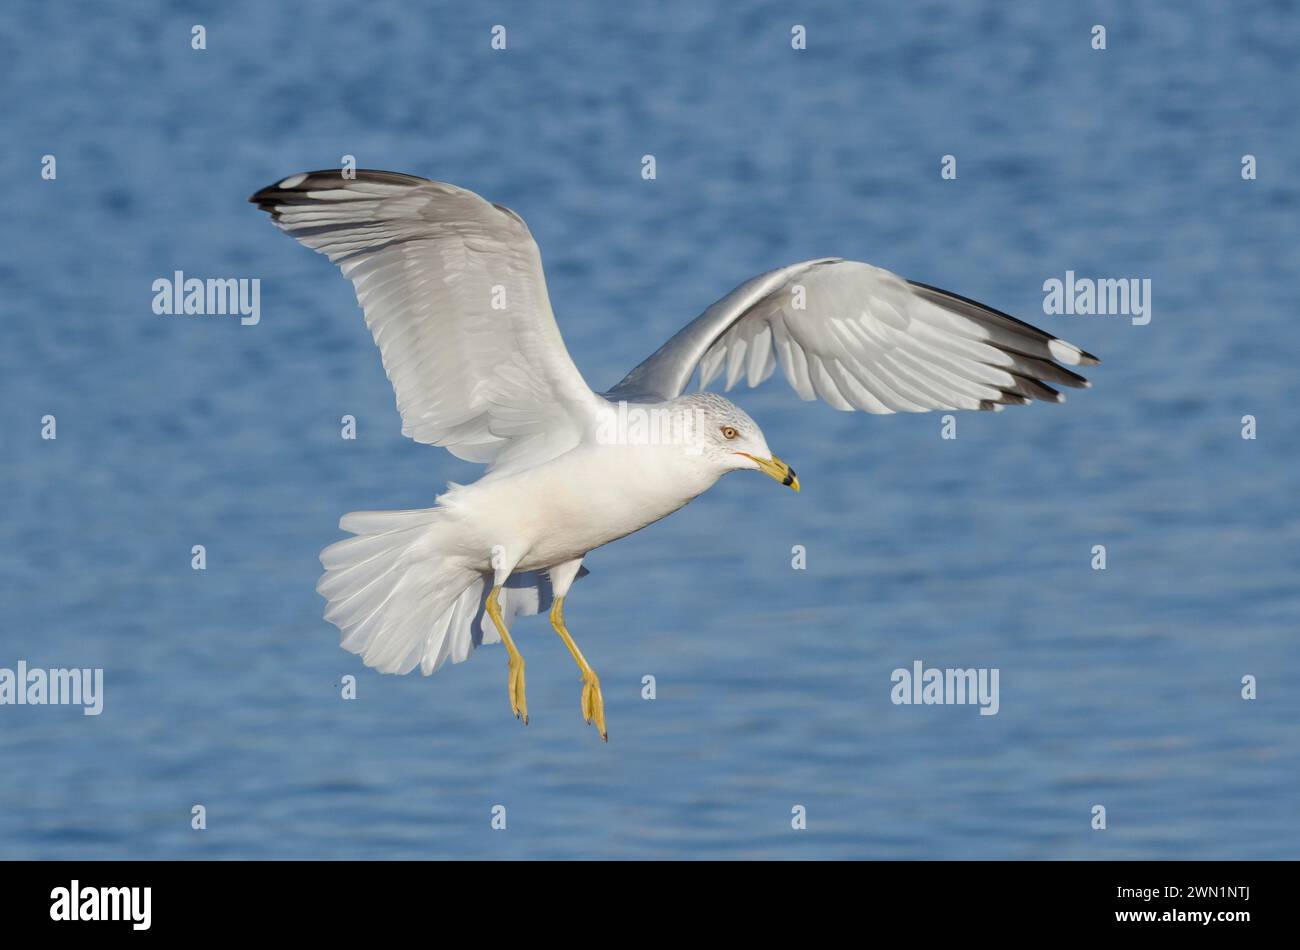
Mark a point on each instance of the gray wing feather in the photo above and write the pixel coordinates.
(859, 337)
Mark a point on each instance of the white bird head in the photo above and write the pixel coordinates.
(724, 433)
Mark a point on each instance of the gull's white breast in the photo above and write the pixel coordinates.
(572, 504)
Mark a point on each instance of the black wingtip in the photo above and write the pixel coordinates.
(326, 178)
(1085, 358)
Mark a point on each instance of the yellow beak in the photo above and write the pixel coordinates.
(776, 469)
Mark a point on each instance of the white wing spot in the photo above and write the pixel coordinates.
(1065, 352)
(293, 181)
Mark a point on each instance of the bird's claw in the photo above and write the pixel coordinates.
(518, 697)
(593, 704)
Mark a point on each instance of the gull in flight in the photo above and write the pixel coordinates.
(454, 295)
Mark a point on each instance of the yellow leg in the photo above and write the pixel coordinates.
(593, 703)
(518, 701)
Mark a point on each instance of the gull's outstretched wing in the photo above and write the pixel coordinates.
(859, 337)
(453, 292)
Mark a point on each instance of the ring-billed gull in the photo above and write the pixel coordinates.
(453, 292)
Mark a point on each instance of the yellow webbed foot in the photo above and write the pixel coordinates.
(518, 697)
(593, 703)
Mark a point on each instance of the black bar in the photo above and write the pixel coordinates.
(368, 899)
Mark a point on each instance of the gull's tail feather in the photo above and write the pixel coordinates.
(399, 597)
(402, 599)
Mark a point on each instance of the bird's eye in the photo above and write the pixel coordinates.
(729, 433)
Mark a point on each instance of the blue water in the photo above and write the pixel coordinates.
(222, 687)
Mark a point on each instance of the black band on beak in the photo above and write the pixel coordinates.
(789, 477)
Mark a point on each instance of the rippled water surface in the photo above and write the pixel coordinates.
(1119, 688)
